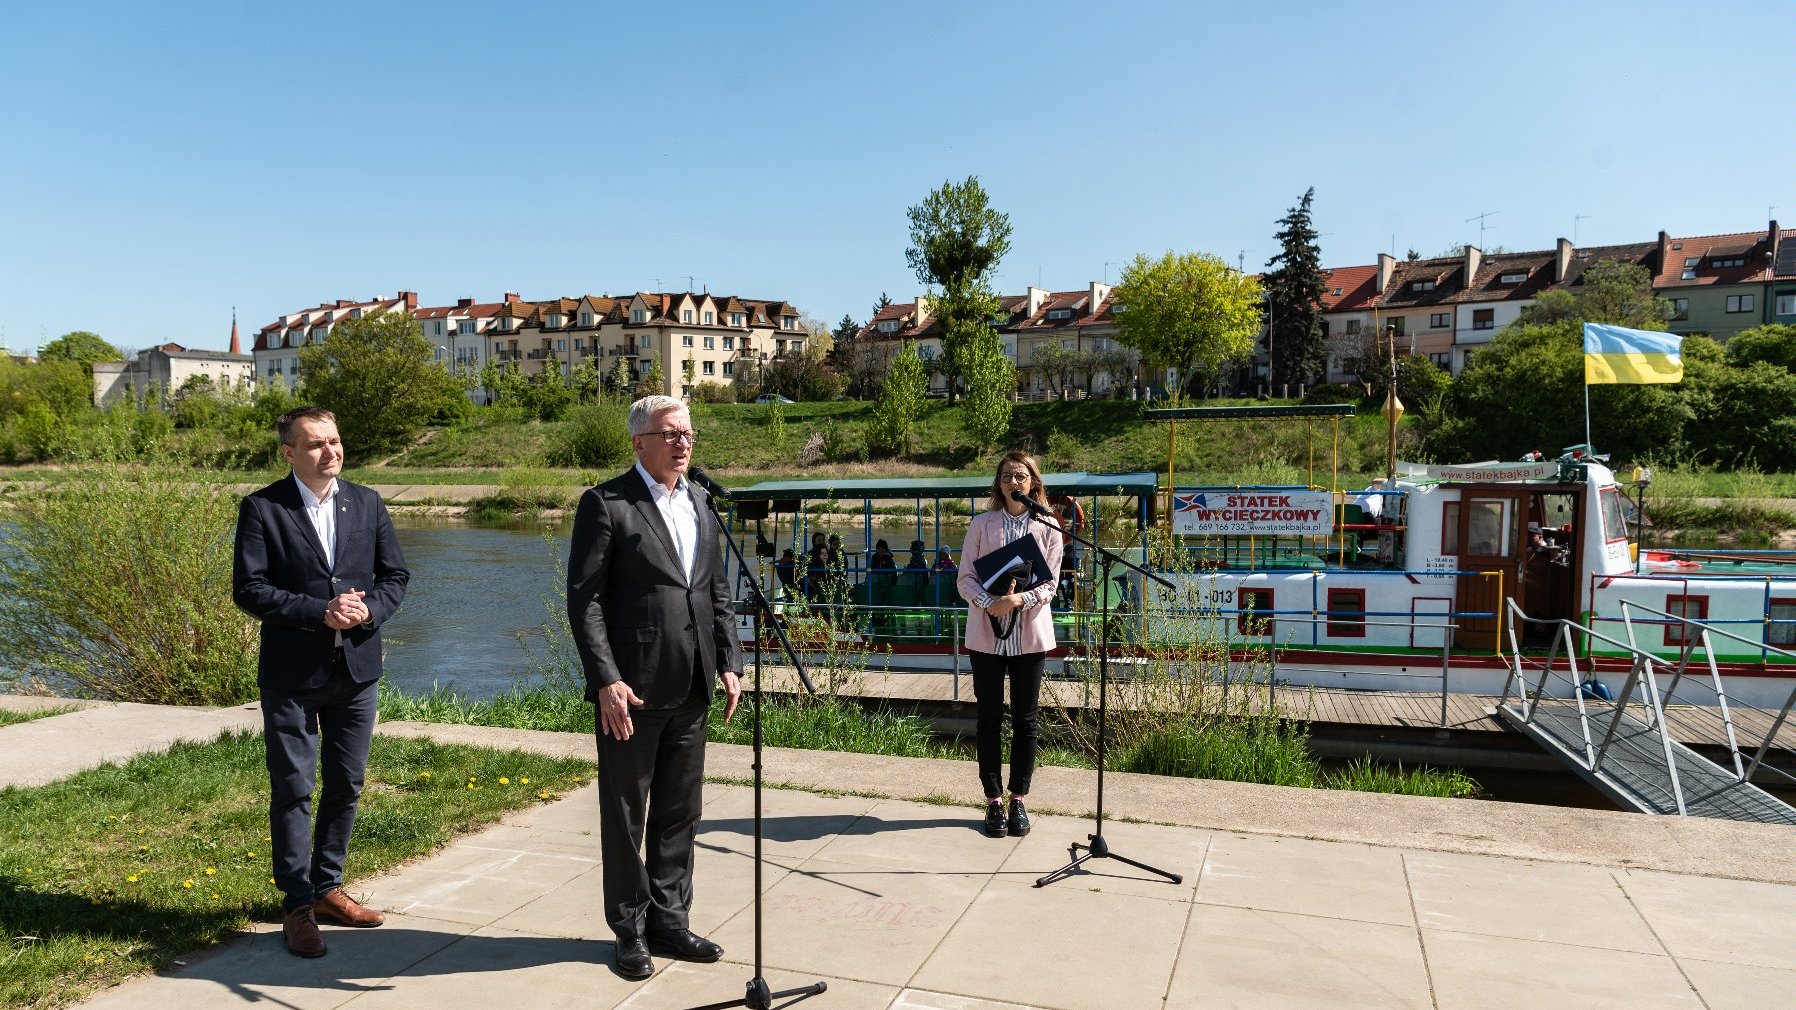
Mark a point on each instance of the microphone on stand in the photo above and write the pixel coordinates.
(704, 480)
(1033, 506)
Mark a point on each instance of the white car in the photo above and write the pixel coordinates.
(772, 398)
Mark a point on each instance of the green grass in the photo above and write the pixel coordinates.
(1367, 776)
(117, 870)
(10, 718)
(1270, 752)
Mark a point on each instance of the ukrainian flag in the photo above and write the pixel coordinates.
(1616, 354)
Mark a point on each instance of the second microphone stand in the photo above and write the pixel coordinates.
(759, 995)
(1095, 846)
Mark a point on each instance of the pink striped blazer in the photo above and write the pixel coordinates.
(1035, 628)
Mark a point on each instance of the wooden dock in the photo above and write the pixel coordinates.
(1326, 709)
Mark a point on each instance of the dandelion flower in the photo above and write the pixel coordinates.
(271, 880)
(214, 895)
(143, 848)
(188, 883)
(543, 795)
(524, 781)
(132, 879)
(472, 779)
(504, 781)
(251, 854)
(470, 787)
(100, 960)
(423, 775)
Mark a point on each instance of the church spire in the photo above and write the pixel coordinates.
(236, 345)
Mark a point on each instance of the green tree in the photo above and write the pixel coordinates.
(1610, 291)
(587, 380)
(653, 381)
(1189, 311)
(884, 302)
(82, 347)
(991, 381)
(801, 375)
(63, 389)
(900, 403)
(1773, 344)
(377, 374)
(1294, 289)
(957, 239)
(1742, 412)
(619, 381)
(1058, 365)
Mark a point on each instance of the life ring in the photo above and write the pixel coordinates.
(1068, 509)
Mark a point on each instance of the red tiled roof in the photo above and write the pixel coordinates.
(1754, 247)
(1348, 288)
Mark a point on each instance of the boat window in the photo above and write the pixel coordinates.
(1490, 527)
(1347, 613)
(1615, 519)
(1450, 528)
(1780, 634)
(1255, 606)
(1696, 608)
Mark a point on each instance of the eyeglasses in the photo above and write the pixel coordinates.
(674, 436)
(1013, 478)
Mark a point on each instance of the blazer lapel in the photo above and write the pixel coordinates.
(296, 509)
(645, 507)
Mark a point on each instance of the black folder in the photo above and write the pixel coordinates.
(1021, 551)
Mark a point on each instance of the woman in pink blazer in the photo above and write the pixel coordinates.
(1028, 627)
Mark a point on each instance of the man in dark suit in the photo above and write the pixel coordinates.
(318, 564)
(650, 610)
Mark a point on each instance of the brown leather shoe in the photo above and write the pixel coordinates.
(335, 906)
(300, 928)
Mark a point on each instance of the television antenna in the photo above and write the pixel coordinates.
(1575, 219)
(1481, 225)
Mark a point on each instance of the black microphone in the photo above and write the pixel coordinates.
(1032, 505)
(703, 479)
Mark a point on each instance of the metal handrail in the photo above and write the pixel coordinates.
(1743, 772)
(1642, 668)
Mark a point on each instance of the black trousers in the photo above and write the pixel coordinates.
(325, 733)
(1024, 672)
(652, 785)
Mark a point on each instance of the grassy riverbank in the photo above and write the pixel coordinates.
(117, 870)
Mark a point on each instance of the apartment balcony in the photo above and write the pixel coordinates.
(538, 355)
(507, 356)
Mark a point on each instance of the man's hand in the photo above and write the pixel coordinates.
(346, 611)
(732, 692)
(615, 702)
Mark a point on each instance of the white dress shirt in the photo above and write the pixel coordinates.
(322, 511)
(680, 515)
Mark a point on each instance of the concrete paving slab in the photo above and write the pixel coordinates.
(257, 969)
(1328, 964)
(848, 921)
(478, 883)
(924, 836)
(1474, 972)
(39, 702)
(1735, 921)
(793, 824)
(1740, 987)
(1044, 850)
(1553, 902)
(685, 985)
(493, 967)
(1060, 947)
(45, 750)
(574, 910)
(1338, 880)
(922, 999)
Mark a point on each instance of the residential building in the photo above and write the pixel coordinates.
(1722, 284)
(277, 345)
(458, 334)
(168, 367)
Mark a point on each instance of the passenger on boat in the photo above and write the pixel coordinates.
(917, 562)
(944, 561)
(1371, 501)
(881, 564)
(816, 568)
(1010, 630)
(786, 570)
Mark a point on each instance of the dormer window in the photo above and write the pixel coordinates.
(1421, 286)
(638, 315)
(1690, 267)
(555, 319)
(355, 313)
(735, 319)
(465, 327)
(789, 323)
(685, 315)
(1056, 315)
(1721, 262)
(1513, 278)
(586, 318)
(888, 326)
(708, 316)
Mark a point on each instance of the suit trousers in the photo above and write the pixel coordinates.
(988, 694)
(653, 784)
(325, 732)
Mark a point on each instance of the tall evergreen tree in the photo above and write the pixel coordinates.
(884, 302)
(1294, 287)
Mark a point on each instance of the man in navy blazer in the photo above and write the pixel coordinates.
(650, 610)
(318, 564)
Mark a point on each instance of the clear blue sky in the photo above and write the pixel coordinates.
(164, 162)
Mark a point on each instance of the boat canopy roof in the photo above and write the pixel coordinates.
(1077, 484)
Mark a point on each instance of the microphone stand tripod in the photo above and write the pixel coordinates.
(759, 996)
(1096, 847)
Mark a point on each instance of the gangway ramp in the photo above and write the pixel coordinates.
(1623, 746)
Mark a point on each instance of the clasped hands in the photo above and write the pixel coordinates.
(346, 611)
(1002, 605)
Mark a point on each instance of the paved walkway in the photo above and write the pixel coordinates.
(44, 750)
(1290, 898)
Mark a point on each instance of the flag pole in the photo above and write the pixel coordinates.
(1587, 446)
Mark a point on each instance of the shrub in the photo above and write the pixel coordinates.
(594, 435)
(713, 392)
(118, 586)
(1332, 392)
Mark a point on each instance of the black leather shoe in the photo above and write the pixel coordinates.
(994, 818)
(1019, 818)
(684, 945)
(632, 959)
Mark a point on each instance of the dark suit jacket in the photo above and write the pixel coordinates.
(279, 577)
(633, 615)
